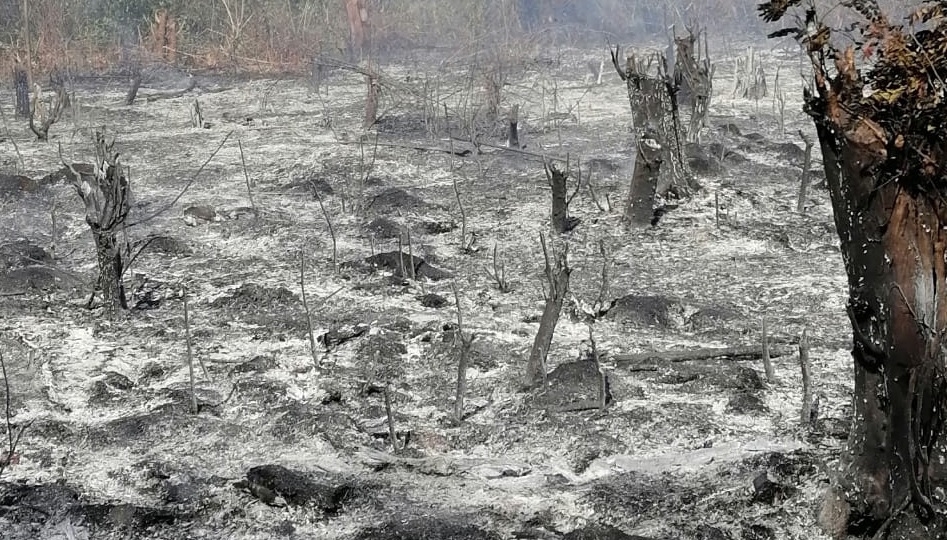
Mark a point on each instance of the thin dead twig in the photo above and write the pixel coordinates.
(499, 272)
(302, 288)
(325, 214)
(246, 177)
(464, 342)
(392, 432)
(465, 247)
(767, 363)
(12, 440)
(190, 354)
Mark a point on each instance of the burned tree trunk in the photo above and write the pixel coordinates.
(557, 278)
(652, 96)
(21, 87)
(133, 86)
(106, 196)
(639, 209)
(109, 257)
(893, 243)
(560, 210)
(513, 138)
(561, 222)
(693, 77)
(886, 168)
(372, 88)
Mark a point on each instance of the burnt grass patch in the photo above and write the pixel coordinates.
(441, 528)
(253, 297)
(629, 499)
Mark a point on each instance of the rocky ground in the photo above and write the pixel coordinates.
(294, 443)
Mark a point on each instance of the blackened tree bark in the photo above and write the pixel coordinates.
(106, 196)
(513, 135)
(561, 221)
(133, 85)
(652, 96)
(639, 208)
(885, 160)
(560, 210)
(21, 87)
(693, 77)
(372, 89)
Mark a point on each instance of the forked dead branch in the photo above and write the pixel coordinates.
(498, 274)
(45, 113)
(557, 273)
(693, 77)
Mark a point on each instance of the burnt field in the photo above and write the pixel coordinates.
(278, 180)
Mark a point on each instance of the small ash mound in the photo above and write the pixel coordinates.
(250, 296)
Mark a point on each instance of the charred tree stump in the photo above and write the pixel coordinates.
(652, 96)
(560, 211)
(513, 139)
(561, 222)
(106, 196)
(371, 101)
(886, 169)
(21, 88)
(639, 209)
(133, 86)
(557, 277)
(693, 77)
(159, 29)
(683, 181)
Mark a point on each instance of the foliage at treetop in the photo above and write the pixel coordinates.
(896, 104)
